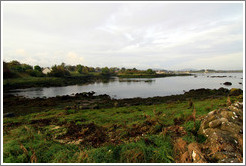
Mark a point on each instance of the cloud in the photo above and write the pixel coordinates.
(21, 52)
(73, 59)
(115, 34)
(235, 59)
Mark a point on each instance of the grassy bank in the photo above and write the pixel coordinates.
(142, 133)
(28, 82)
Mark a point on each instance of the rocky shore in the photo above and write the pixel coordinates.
(223, 129)
(88, 100)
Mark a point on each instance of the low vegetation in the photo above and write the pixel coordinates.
(114, 134)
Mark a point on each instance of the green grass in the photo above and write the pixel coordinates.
(26, 81)
(32, 81)
(149, 145)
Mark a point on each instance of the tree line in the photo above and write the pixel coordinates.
(15, 69)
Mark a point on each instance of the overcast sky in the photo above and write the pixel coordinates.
(141, 35)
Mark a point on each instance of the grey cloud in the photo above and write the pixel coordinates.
(167, 35)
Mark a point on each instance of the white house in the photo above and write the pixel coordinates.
(46, 70)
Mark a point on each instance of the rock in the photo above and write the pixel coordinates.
(224, 131)
(211, 113)
(8, 115)
(195, 153)
(180, 145)
(185, 158)
(68, 108)
(238, 105)
(205, 123)
(215, 123)
(231, 127)
(228, 115)
(237, 111)
(219, 156)
(229, 160)
(95, 106)
(228, 148)
(235, 92)
(227, 83)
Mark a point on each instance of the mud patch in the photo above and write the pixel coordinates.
(86, 134)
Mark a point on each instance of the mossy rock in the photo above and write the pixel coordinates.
(235, 92)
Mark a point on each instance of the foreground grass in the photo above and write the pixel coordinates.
(120, 134)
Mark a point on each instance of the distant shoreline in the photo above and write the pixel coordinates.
(29, 82)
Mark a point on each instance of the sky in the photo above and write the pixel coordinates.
(143, 35)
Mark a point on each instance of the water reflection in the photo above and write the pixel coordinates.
(140, 87)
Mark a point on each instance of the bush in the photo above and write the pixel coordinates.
(59, 71)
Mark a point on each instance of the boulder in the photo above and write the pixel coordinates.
(223, 129)
(235, 92)
(195, 153)
(231, 127)
(227, 83)
(8, 115)
(215, 123)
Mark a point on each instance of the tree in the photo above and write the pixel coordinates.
(71, 68)
(79, 68)
(98, 69)
(63, 64)
(15, 66)
(6, 71)
(37, 72)
(37, 68)
(150, 71)
(105, 71)
(26, 67)
(85, 70)
(112, 70)
(59, 71)
(91, 69)
(128, 71)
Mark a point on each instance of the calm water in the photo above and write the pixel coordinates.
(137, 87)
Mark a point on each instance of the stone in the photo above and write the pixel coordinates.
(235, 92)
(215, 123)
(231, 127)
(219, 156)
(239, 112)
(229, 160)
(8, 115)
(211, 113)
(227, 83)
(228, 115)
(238, 105)
(196, 154)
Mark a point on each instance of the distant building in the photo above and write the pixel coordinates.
(160, 72)
(46, 70)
